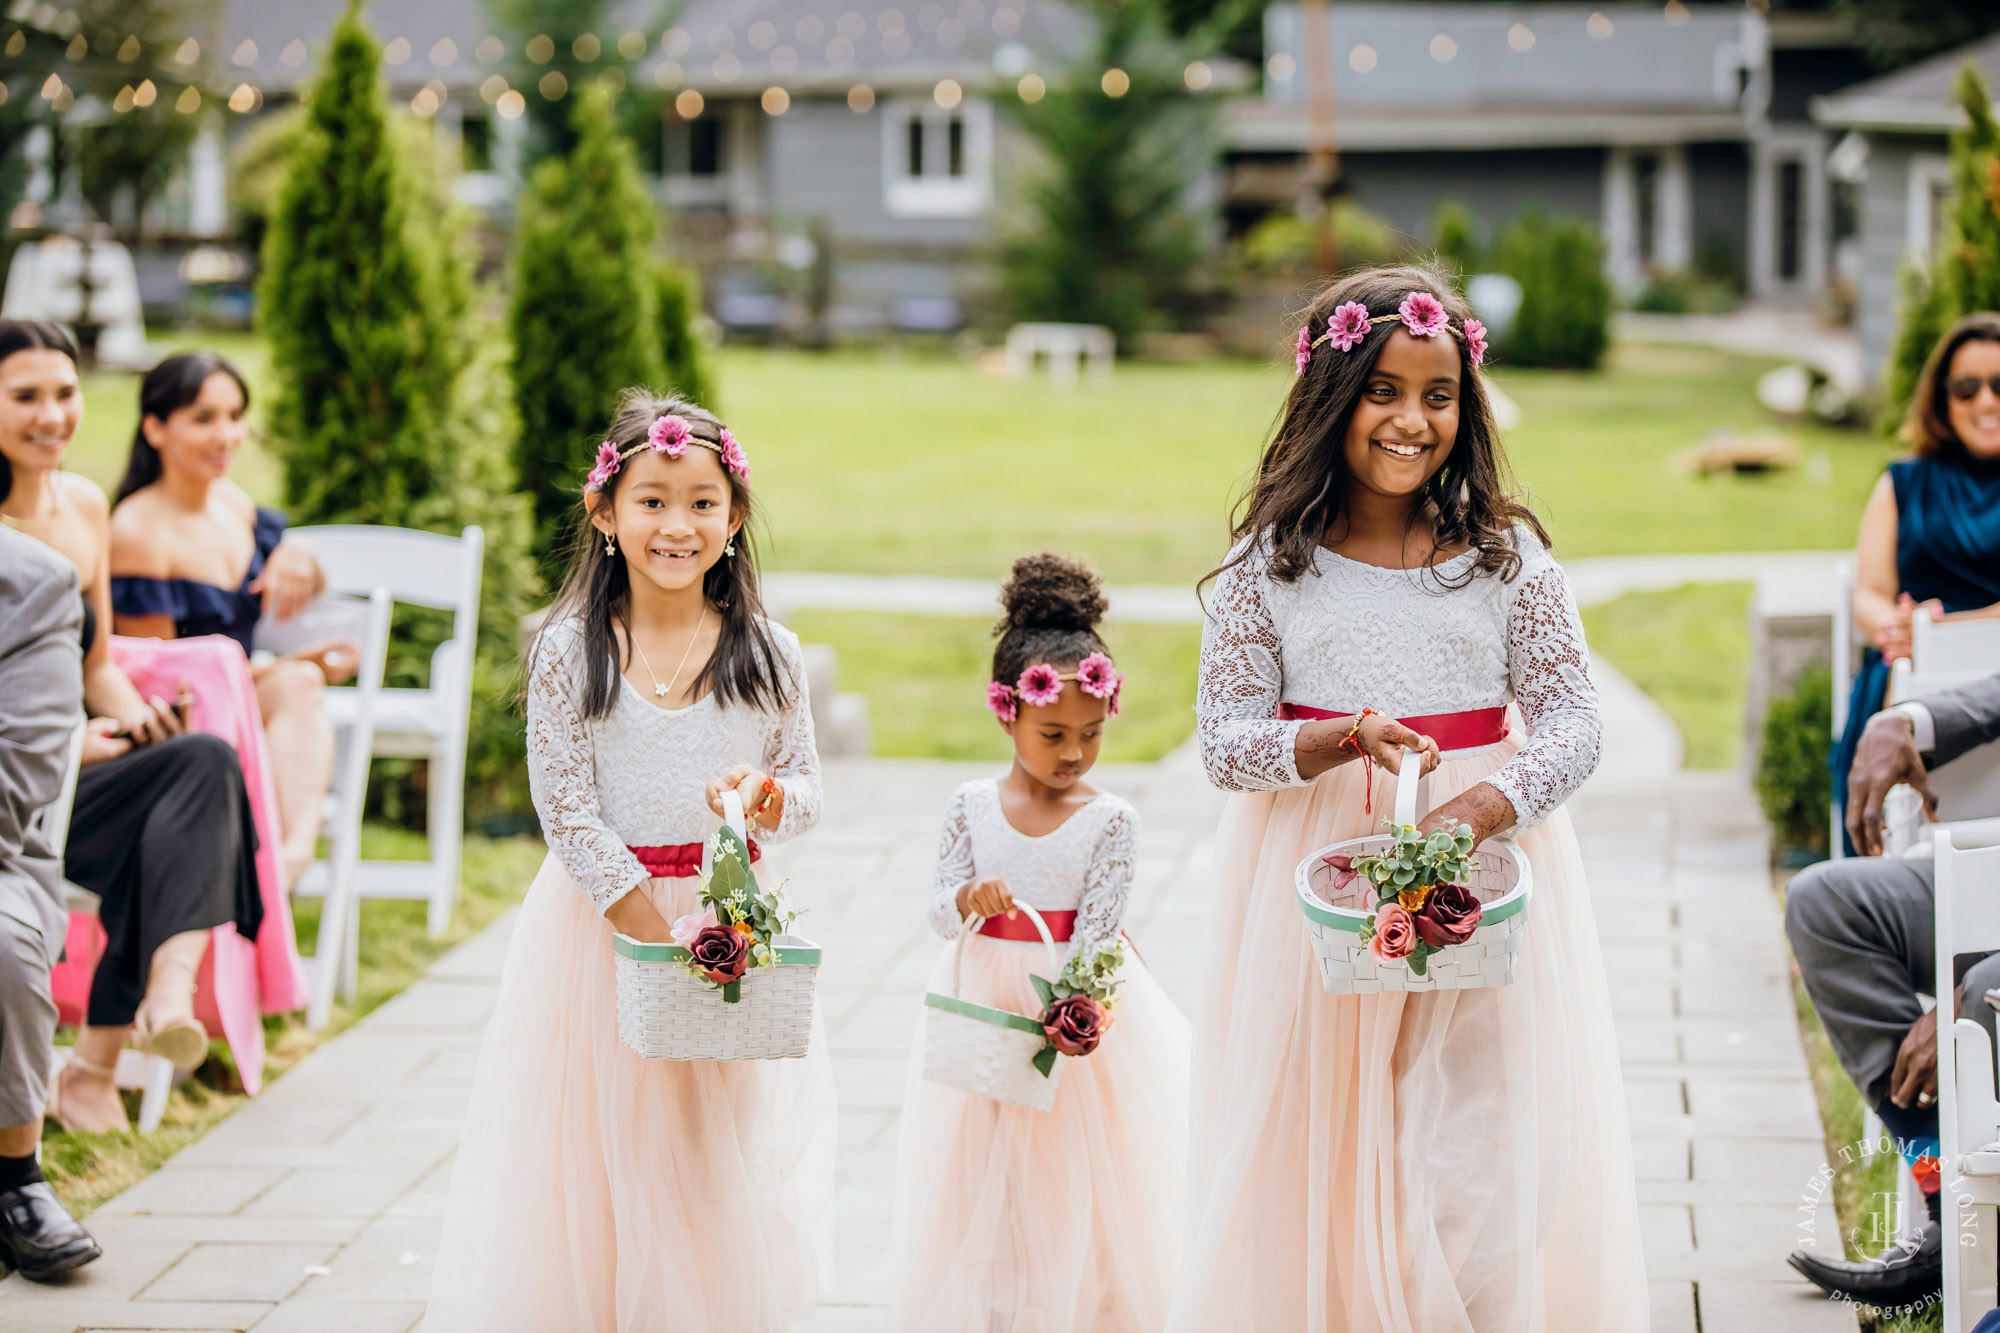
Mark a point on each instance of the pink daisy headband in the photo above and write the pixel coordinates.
(670, 435)
(1042, 684)
(1421, 313)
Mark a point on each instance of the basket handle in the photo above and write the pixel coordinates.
(1408, 778)
(970, 926)
(732, 814)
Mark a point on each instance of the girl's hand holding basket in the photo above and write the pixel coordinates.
(984, 898)
(1373, 737)
(762, 797)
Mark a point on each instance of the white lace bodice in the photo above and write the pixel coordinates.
(1348, 636)
(638, 777)
(1084, 866)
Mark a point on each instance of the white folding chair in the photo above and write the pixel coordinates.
(152, 1076)
(424, 569)
(1943, 656)
(1845, 651)
(334, 879)
(1968, 921)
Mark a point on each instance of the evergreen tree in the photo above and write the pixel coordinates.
(349, 300)
(685, 361)
(556, 45)
(585, 310)
(1964, 275)
(1107, 239)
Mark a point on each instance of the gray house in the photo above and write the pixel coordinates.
(1677, 128)
(1893, 150)
(873, 126)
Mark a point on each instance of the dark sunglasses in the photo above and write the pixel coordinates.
(1965, 388)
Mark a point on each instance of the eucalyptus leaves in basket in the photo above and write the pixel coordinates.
(733, 932)
(1421, 904)
(1076, 1006)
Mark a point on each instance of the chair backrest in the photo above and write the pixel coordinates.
(53, 818)
(1968, 648)
(423, 568)
(1967, 921)
(1944, 657)
(1843, 645)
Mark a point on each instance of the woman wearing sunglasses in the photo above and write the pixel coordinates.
(1930, 536)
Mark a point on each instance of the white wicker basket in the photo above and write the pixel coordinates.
(985, 1050)
(665, 1012)
(1500, 879)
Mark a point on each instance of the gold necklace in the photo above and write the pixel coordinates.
(662, 691)
(37, 524)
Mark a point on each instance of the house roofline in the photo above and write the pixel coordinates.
(1885, 115)
(1253, 128)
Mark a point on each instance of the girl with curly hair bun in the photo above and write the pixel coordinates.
(1010, 1219)
(1409, 1160)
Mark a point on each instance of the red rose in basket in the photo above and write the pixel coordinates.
(1449, 915)
(1075, 1024)
(722, 954)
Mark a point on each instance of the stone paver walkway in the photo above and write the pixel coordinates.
(316, 1207)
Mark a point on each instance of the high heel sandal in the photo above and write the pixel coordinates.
(183, 1041)
(53, 1109)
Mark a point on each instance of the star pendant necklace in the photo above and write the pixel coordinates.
(662, 691)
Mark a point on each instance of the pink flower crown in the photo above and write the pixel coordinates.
(1041, 684)
(1421, 313)
(670, 435)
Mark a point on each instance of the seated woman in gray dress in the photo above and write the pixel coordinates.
(161, 831)
(191, 554)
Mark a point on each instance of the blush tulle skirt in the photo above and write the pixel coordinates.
(1061, 1221)
(1442, 1162)
(597, 1192)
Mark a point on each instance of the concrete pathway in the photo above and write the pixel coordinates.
(1756, 330)
(316, 1206)
(1593, 579)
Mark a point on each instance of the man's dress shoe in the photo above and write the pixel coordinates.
(1903, 1274)
(39, 1237)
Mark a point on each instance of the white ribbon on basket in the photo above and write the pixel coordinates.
(732, 815)
(1409, 782)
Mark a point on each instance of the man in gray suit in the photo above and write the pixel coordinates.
(1864, 934)
(41, 703)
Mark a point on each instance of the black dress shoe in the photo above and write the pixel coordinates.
(39, 1237)
(1904, 1274)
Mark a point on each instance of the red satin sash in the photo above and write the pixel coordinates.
(679, 862)
(1017, 927)
(1452, 731)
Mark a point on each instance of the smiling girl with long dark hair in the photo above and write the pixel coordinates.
(1412, 1160)
(596, 1190)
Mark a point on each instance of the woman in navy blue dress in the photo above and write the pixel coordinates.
(192, 554)
(1931, 533)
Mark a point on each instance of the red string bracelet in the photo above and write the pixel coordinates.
(1367, 761)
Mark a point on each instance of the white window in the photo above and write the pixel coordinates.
(1929, 203)
(937, 163)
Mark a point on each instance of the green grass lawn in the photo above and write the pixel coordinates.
(1689, 648)
(925, 678)
(923, 464)
(87, 1169)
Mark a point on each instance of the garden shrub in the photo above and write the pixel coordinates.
(1792, 781)
(1285, 243)
(1565, 316)
(1456, 241)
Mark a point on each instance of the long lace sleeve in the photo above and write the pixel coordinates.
(1550, 668)
(1244, 746)
(563, 781)
(794, 755)
(954, 867)
(1107, 886)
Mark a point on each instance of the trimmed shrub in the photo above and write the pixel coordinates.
(1457, 241)
(1565, 316)
(685, 359)
(1792, 782)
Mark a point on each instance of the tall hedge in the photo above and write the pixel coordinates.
(1964, 274)
(1565, 316)
(587, 312)
(391, 405)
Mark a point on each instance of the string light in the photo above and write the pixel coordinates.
(123, 102)
(78, 48)
(444, 51)
(186, 53)
(675, 42)
(1198, 76)
(128, 50)
(860, 98)
(245, 99)
(632, 45)
(553, 85)
(1520, 37)
(762, 34)
(1598, 25)
(1115, 83)
(1677, 13)
(396, 52)
(541, 48)
(1361, 58)
(947, 94)
(490, 50)
(294, 53)
(776, 101)
(669, 74)
(246, 52)
(426, 102)
(586, 47)
(493, 89)
(1281, 67)
(1443, 48)
(511, 105)
(689, 104)
(189, 101)
(145, 94)
(1031, 88)
(51, 86)
(17, 43)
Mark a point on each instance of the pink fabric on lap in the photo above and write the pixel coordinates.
(240, 981)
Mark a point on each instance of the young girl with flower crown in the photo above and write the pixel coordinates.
(1012, 1220)
(594, 1190)
(1422, 1161)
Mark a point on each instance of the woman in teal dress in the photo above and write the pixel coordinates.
(1931, 533)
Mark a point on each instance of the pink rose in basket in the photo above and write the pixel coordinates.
(691, 925)
(1449, 915)
(1395, 933)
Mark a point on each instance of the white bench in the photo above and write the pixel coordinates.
(1065, 346)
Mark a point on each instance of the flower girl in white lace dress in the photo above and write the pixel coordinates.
(1011, 1220)
(595, 1191)
(1422, 1162)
